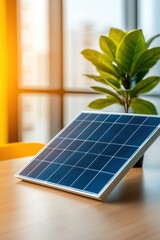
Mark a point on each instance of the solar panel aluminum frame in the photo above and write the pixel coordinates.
(116, 178)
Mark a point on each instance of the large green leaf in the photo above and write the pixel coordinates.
(130, 49)
(142, 106)
(96, 78)
(140, 76)
(144, 86)
(152, 39)
(116, 35)
(110, 82)
(99, 60)
(103, 103)
(147, 60)
(108, 47)
(106, 91)
(106, 75)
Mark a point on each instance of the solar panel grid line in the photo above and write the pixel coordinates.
(126, 141)
(80, 122)
(64, 175)
(35, 157)
(104, 166)
(57, 163)
(57, 168)
(52, 150)
(132, 135)
(64, 150)
(87, 138)
(77, 178)
(39, 164)
(46, 168)
(95, 178)
(90, 163)
(88, 126)
(66, 128)
(97, 155)
(75, 163)
(77, 167)
(87, 168)
(81, 193)
(85, 154)
(96, 130)
(104, 149)
(71, 132)
(46, 155)
(34, 168)
(107, 162)
(91, 134)
(120, 131)
(124, 144)
(37, 160)
(70, 169)
(86, 117)
(55, 159)
(45, 158)
(102, 171)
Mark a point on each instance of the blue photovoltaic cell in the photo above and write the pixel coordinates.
(88, 155)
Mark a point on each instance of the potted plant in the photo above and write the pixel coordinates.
(122, 65)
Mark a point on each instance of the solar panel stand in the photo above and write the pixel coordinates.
(139, 164)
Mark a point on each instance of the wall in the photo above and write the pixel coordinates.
(3, 76)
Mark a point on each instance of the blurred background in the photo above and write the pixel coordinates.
(42, 86)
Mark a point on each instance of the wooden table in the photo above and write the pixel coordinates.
(33, 212)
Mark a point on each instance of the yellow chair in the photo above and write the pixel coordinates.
(19, 150)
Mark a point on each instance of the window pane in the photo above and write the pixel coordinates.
(84, 22)
(148, 20)
(39, 117)
(34, 43)
(74, 104)
(148, 16)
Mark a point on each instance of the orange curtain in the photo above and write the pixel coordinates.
(3, 74)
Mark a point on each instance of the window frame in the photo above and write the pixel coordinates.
(56, 62)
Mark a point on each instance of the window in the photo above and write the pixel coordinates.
(43, 96)
(83, 24)
(49, 88)
(34, 70)
(148, 20)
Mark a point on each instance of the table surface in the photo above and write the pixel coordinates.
(31, 211)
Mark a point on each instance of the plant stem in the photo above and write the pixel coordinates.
(126, 99)
(125, 104)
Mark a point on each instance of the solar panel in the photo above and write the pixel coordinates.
(92, 153)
